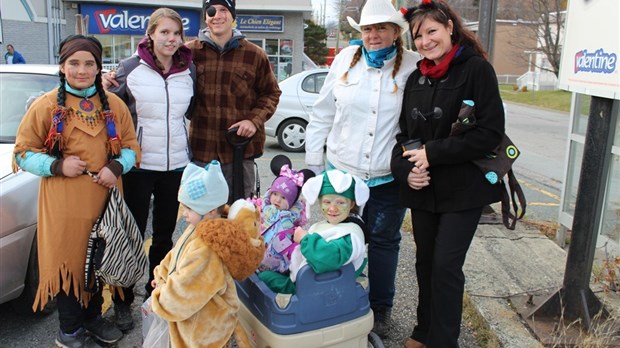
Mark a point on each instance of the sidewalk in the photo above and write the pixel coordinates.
(504, 269)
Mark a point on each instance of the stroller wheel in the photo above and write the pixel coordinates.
(374, 341)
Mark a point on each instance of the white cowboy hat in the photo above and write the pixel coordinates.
(379, 11)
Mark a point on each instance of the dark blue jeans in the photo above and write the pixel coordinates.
(383, 216)
(72, 314)
(138, 186)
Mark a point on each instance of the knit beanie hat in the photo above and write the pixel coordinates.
(203, 189)
(229, 4)
(288, 184)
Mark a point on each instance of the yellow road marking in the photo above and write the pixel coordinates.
(542, 204)
(536, 188)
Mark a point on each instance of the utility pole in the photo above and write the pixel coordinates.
(486, 33)
(486, 25)
(338, 29)
(339, 19)
(324, 13)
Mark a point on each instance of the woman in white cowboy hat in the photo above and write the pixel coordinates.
(356, 116)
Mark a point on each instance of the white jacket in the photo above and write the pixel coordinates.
(159, 107)
(358, 118)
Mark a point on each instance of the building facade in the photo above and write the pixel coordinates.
(36, 27)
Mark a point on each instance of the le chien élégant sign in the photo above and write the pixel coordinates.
(271, 24)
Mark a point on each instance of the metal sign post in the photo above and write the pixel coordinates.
(575, 300)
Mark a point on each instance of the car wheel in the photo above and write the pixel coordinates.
(23, 304)
(292, 135)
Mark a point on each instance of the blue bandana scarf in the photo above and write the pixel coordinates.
(376, 58)
(84, 93)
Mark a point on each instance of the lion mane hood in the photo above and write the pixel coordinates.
(236, 240)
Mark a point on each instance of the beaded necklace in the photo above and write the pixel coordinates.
(85, 104)
(55, 142)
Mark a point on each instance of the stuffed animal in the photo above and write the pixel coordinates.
(236, 239)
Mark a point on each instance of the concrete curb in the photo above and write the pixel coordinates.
(502, 264)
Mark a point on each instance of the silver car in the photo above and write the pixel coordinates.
(19, 84)
(288, 123)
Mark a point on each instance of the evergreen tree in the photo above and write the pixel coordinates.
(315, 42)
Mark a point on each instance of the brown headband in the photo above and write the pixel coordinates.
(80, 44)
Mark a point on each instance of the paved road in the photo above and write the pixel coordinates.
(541, 136)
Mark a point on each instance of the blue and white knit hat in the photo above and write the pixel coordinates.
(203, 189)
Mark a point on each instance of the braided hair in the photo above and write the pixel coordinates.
(441, 12)
(55, 141)
(399, 58)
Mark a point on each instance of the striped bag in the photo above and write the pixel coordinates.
(115, 254)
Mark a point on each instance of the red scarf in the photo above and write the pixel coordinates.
(429, 69)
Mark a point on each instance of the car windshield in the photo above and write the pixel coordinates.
(15, 91)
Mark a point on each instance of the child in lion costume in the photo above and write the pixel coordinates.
(194, 284)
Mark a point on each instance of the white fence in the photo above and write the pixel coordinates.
(538, 81)
(109, 66)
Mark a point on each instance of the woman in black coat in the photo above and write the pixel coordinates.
(443, 188)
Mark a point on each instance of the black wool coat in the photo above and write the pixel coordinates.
(456, 183)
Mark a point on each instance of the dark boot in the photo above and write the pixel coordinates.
(382, 321)
(103, 330)
(122, 316)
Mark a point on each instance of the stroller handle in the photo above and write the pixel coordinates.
(238, 143)
(233, 139)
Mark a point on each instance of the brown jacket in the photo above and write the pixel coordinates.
(232, 85)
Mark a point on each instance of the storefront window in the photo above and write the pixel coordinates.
(274, 64)
(286, 47)
(122, 47)
(108, 47)
(271, 47)
(280, 54)
(258, 42)
(285, 68)
(117, 48)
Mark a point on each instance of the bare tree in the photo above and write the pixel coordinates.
(353, 9)
(545, 20)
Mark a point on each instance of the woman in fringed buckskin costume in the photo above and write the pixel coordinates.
(65, 135)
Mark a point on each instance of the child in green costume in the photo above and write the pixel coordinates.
(336, 241)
